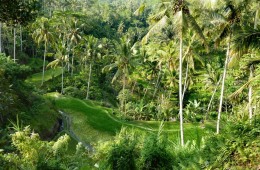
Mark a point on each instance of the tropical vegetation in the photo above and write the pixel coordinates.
(113, 84)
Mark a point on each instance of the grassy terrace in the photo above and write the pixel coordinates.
(92, 123)
(49, 74)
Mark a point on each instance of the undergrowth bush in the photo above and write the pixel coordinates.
(155, 153)
(120, 154)
(238, 147)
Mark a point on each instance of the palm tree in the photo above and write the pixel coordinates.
(225, 21)
(212, 79)
(178, 12)
(60, 60)
(190, 57)
(250, 64)
(123, 62)
(164, 55)
(74, 38)
(246, 42)
(43, 34)
(91, 54)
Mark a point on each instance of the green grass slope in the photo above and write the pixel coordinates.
(36, 79)
(90, 124)
(93, 123)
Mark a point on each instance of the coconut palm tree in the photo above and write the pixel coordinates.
(225, 18)
(91, 54)
(61, 59)
(248, 42)
(74, 38)
(176, 12)
(123, 62)
(164, 55)
(43, 34)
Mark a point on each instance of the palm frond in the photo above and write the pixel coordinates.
(217, 19)
(157, 17)
(53, 64)
(253, 61)
(109, 67)
(180, 23)
(246, 39)
(224, 33)
(211, 4)
(155, 29)
(192, 23)
(118, 73)
(140, 10)
(237, 92)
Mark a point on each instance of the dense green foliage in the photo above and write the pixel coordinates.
(237, 147)
(95, 68)
(32, 153)
(13, 12)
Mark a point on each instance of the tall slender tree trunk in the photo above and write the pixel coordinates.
(21, 38)
(14, 43)
(133, 88)
(223, 85)
(180, 92)
(256, 18)
(0, 37)
(89, 76)
(43, 2)
(186, 81)
(72, 62)
(212, 97)
(157, 82)
(124, 101)
(44, 60)
(62, 77)
(250, 91)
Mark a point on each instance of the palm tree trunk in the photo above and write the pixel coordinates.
(68, 53)
(223, 85)
(186, 81)
(44, 60)
(72, 62)
(62, 77)
(157, 82)
(89, 76)
(14, 43)
(0, 37)
(21, 38)
(212, 97)
(124, 101)
(134, 87)
(43, 2)
(180, 92)
(256, 18)
(250, 91)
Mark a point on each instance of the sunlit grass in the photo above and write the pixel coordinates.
(49, 74)
(93, 123)
(89, 123)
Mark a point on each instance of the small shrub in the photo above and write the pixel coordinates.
(120, 154)
(154, 154)
(73, 92)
